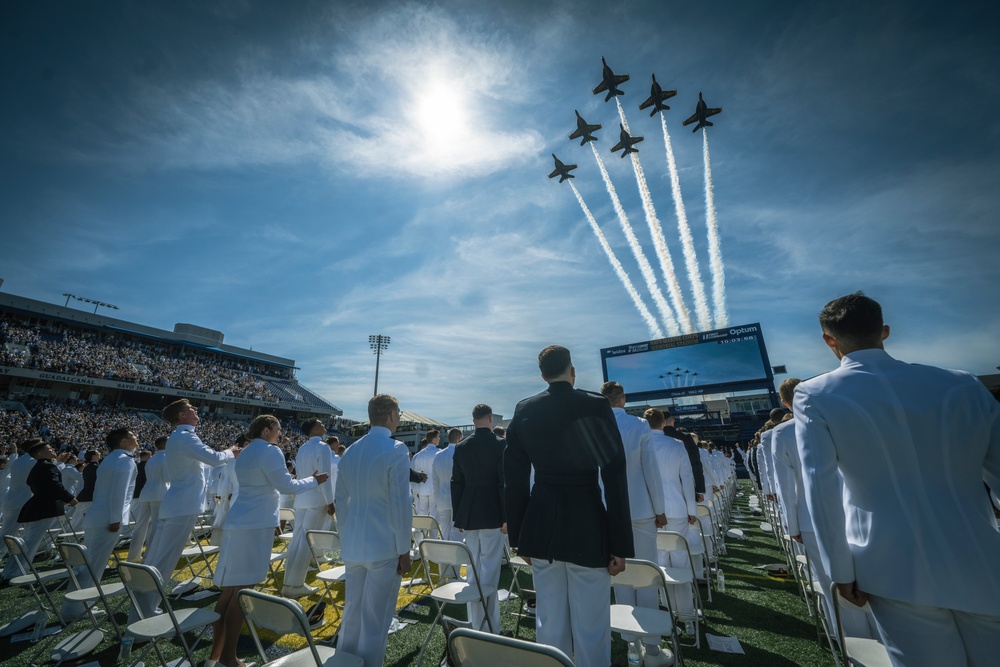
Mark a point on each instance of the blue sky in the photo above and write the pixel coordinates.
(302, 175)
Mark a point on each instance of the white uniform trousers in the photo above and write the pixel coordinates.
(422, 503)
(172, 535)
(370, 595)
(147, 513)
(574, 612)
(100, 542)
(299, 553)
(487, 553)
(681, 600)
(920, 635)
(446, 520)
(79, 511)
(857, 622)
(34, 533)
(8, 526)
(644, 538)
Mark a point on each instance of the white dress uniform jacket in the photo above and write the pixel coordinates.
(709, 471)
(674, 465)
(72, 479)
(314, 456)
(263, 477)
(645, 489)
(444, 464)
(373, 500)
(914, 445)
(157, 481)
(423, 461)
(188, 461)
(113, 490)
(788, 479)
(764, 465)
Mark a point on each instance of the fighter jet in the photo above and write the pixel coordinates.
(562, 170)
(701, 114)
(626, 142)
(656, 97)
(610, 82)
(584, 130)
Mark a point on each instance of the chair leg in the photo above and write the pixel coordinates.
(427, 639)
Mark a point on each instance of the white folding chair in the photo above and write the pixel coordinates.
(74, 557)
(517, 565)
(327, 542)
(426, 527)
(637, 623)
(858, 651)
(286, 617)
(140, 580)
(472, 648)
(456, 555)
(287, 515)
(42, 583)
(196, 551)
(669, 541)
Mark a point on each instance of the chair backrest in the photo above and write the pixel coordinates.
(445, 552)
(640, 574)
(427, 524)
(139, 579)
(702, 510)
(74, 556)
(286, 514)
(323, 540)
(472, 648)
(279, 615)
(668, 540)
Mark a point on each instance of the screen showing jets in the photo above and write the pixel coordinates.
(719, 361)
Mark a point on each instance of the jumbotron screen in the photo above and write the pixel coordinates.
(709, 362)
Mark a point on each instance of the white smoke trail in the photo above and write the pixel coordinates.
(687, 242)
(659, 243)
(714, 247)
(654, 327)
(640, 257)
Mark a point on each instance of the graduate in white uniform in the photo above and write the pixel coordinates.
(187, 464)
(375, 517)
(333, 442)
(645, 500)
(423, 462)
(249, 529)
(146, 508)
(18, 493)
(894, 457)
(227, 489)
(679, 504)
(312, 508)
(109, 511)
(444, 463)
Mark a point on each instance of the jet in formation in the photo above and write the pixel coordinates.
(701, 114)
(626, 142)
(610, 82)
(562, 170)
(656, 98)
(583, 130)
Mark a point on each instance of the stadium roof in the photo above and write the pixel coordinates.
(407, 417)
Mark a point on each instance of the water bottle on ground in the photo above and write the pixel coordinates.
(720, 580)
(125, 650)
(634, 656)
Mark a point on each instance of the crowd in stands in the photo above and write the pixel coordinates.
(63, 349)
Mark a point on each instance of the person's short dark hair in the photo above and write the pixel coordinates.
(30, 445)
(90, 455)
(667, 415)
(161, 442)
(243, 439)
(499, 431)
(309, 424)
(455, 435)
(172, 412)
(144, 452)
(433, 433)
(553, 361)
(655, 418)
(333, 440)
(481, 411)
(855, 318)
(260, 423)
(115, 437)
(776, 415)
(612, 390)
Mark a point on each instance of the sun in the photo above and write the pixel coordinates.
(441, 118)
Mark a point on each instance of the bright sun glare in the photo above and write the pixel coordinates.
(441, 118)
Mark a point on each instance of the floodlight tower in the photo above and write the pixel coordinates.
(378, 344)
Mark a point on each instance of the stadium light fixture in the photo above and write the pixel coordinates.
(379, 344)
(97, 304)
